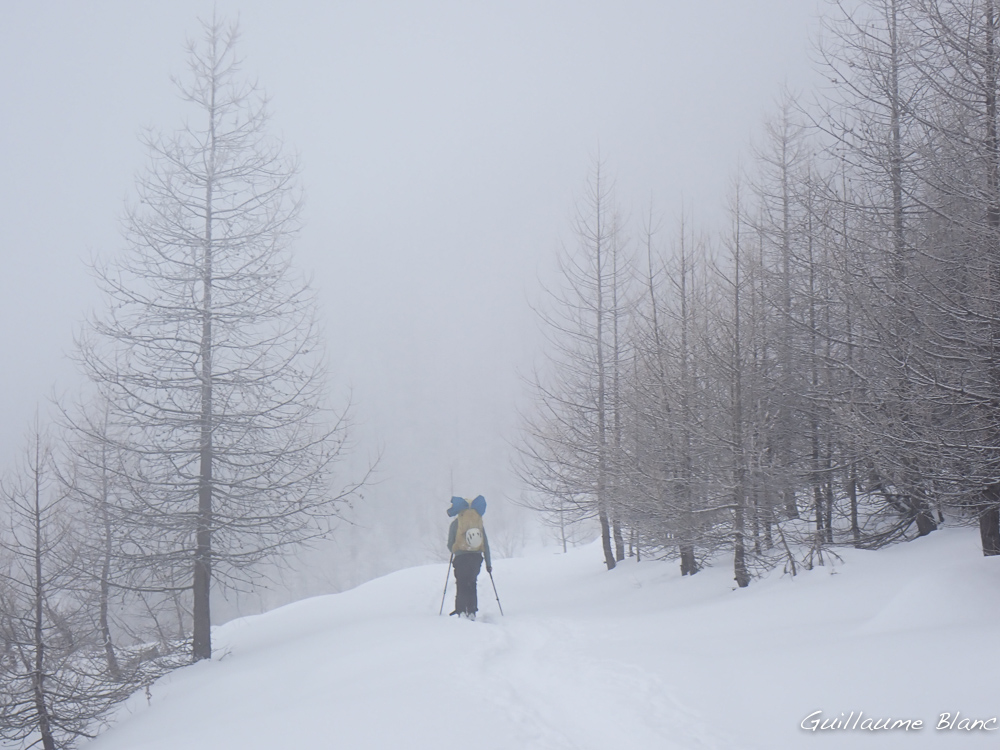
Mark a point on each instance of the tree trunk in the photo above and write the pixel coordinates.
(989, 512)
(42, 715)
(202, 583)
(609, 555)
(989, 530)
(852, 493)
(602, 415)
(104, 620)
(562, 525)
(989, 521)
(689, 565)
(925, 523)
(105, 586)
(739, 552)
(739, 456)
(619, 541)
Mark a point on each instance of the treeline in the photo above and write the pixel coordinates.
(201, 447)
(826, 369)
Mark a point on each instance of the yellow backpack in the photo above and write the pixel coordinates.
(469, 535)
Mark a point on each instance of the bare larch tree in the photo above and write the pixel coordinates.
(208, 351)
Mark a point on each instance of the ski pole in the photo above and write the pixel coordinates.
(447, 575)
(495, 591)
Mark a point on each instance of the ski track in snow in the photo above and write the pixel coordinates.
(560, 698)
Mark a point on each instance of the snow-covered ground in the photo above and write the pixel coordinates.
(584, 658)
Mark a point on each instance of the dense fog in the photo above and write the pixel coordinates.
(443, 149)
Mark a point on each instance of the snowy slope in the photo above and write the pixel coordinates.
(636, 657)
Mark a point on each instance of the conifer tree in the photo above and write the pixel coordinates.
(208, 351)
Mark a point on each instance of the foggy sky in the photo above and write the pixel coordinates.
(443, 146)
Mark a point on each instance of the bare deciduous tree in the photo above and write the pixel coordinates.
(54, 688)
(569, 455)
(208, 352)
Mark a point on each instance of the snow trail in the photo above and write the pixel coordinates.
(590, 659)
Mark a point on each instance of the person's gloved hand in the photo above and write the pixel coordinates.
(489, 568)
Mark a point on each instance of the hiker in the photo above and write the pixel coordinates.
(468, 544)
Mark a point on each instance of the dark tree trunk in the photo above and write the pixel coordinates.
(753, 508)
(42, 712)
(689, 565)
(619, 542)
(609, 555)
(739, 557)
(925, 517)
(989, 511)
(925, 523)
(201, 642)
(791, 506)
(852, 493)
(739, 457)
(766, 513)
(989, 528)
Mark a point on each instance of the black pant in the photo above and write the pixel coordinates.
(467, 566)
